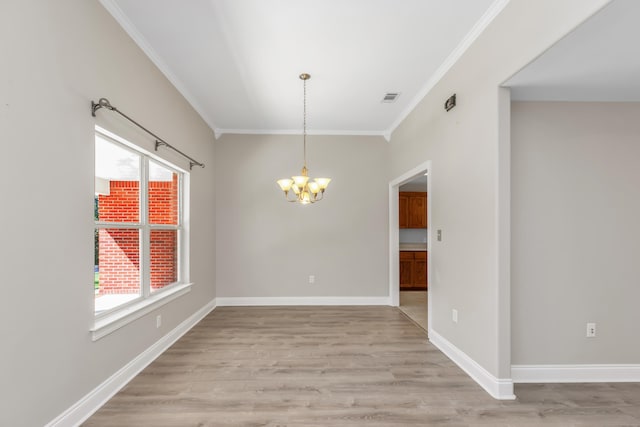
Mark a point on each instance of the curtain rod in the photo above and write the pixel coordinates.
(104, 103)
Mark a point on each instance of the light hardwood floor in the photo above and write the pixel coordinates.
(414, 305)
(337, 366)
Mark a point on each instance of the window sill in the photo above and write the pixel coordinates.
(103, 326)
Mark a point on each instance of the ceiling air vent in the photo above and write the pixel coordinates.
(390, 97)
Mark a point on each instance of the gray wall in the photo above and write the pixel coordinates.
(464, 146)
(575, 232)
(267, 247)
(56, 58)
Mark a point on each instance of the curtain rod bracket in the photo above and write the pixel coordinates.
(104, 103)
(159, 144)
(94, 107)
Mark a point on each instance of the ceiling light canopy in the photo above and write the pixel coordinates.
(304, 192)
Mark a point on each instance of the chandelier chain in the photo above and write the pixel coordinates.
(304, 120)
(302, 190)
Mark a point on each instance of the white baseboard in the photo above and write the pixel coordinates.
(90, 403)
(498, 388)
(251, 301)
(575, 373)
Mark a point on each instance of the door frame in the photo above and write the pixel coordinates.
(394, 235)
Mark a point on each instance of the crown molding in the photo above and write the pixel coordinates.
(219, 132)
(112, 7)
(496, 7)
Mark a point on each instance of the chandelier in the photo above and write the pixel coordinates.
(304, 192)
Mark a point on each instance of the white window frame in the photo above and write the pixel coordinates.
(117, 317)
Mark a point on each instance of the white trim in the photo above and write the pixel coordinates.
(575, 373)
(498, 388)
(484, 21)
(219, 132)
(503, 233)
(104, 325)
(117, 317)
(394, 248)
(85, 407)
(253, 301)
(430, 266)
(112, 7)
(137, 149)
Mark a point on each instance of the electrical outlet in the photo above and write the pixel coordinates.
(158, 321)
(591, 330)
(312, 279)
(439, 233)
(454, 315)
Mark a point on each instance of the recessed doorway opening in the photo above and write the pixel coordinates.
(409, 243)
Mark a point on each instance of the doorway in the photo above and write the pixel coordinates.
(409, 244)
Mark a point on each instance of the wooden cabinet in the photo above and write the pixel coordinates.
(413, 270)
(413, 209)
(403, 202)
(420, 270)
(406, 269)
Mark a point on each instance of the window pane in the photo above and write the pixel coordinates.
(164, 258)
(117, 268)
(163, 195)
(117, 183)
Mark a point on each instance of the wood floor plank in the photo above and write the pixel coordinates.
(414, 305)
(337, 366)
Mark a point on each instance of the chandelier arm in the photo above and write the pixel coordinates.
(286, 196)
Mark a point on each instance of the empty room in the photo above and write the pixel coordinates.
(320, 213)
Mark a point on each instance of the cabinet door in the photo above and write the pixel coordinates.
(420, 270)
(403, 203)
(418, 210)
(406, 269)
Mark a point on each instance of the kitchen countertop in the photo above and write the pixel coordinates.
(417, 247)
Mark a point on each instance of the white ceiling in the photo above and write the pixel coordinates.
(237, 61)
(598, 61)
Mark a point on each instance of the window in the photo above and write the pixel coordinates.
(139, 233)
